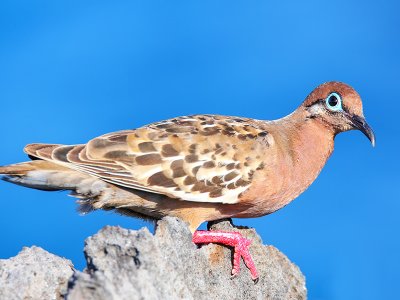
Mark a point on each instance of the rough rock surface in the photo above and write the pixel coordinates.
(127, 264)
(34, 274)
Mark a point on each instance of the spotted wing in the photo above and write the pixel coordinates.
(200, 158)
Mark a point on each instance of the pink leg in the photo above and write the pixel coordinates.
(233, 239)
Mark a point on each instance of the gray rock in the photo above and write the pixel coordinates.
(125, 264)
(34, 274)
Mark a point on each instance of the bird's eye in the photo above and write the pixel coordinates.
(334, 102)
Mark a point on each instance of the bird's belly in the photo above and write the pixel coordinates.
(264, 205)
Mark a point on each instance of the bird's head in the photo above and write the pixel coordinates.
(339, 107)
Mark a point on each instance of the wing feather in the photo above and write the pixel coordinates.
(202, 158)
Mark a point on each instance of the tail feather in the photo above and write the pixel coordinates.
(25, 167)
(17, 174)
(17, 169)
(30, 183)
(32, 174)
(93, 193)
(45, 175)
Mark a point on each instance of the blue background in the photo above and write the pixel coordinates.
(73, 70)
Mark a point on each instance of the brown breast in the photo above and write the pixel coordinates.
(299, 152)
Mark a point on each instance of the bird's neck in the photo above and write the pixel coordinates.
(299, 149)
(305, 145)
(311, 143)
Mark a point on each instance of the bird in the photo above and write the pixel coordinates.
(200, 168)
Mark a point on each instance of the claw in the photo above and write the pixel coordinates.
(234, 239)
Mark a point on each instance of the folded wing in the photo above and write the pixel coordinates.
(201, 158)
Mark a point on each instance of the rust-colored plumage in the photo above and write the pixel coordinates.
(200, 167)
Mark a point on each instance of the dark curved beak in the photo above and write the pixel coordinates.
(362, 125)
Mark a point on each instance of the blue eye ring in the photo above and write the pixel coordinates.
(334, 102)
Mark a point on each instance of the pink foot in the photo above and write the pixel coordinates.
(233, 239)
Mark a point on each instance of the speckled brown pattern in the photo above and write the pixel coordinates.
(198, 167)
